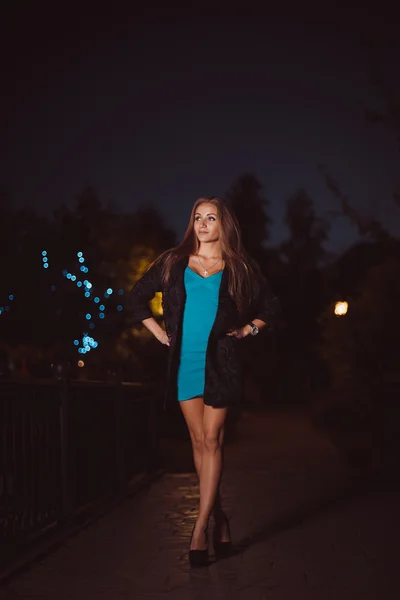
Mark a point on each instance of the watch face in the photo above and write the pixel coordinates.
(254, 330)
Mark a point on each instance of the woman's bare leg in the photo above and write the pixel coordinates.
(211, 467)
(193, 412)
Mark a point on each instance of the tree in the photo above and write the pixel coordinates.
(304, 250)
(49, 311)
(360, 407)
(302, 293)
(250, 206)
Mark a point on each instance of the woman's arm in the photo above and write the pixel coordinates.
(265, 308)
(244, 331)
(139, 297)
(158, 332)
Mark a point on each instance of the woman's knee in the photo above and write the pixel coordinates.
(212, 441)
(197, 439)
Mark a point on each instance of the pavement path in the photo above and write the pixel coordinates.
(300, 531)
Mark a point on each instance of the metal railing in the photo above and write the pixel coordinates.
(64, 446)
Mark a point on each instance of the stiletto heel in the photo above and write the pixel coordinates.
(198, 558)
(222, 549)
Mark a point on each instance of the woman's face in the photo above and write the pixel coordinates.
(206, 223)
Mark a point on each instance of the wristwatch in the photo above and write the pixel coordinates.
(254, 329)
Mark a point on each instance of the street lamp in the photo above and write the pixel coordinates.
(341, 308)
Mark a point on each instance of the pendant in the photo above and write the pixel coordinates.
(205, 273)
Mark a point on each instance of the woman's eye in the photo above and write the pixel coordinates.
(212, 218)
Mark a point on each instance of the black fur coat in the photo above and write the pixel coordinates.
(223, 377)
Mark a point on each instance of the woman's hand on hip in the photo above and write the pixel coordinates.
(159, 333)
(240, 333)
(162, 337)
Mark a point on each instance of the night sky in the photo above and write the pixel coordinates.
(160, 110)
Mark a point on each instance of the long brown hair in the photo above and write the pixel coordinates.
(242, 269)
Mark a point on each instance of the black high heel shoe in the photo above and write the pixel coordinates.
(198, 558)
(222, 549)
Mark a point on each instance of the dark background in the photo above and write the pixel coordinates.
(114, 123)
(164, 105)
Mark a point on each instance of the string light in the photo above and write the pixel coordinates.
(45, 259)
(6, 308)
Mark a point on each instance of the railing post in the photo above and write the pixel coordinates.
(119, 453)
(152, 425)
(66, 500)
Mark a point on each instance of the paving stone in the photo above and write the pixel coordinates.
(298, 532)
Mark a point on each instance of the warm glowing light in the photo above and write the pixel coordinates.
(156, 304)
(81, 363)
(341, 308)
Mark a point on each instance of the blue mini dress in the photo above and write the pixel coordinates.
(202, 294)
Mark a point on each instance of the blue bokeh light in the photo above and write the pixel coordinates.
(88, 316)
(87, 294)
(81, 260)
(76, 342)
(11, 297)
(83, 269)
(102, 307)
(101, 315)
(79, 283)
(109, 291)
(96, 299)
(119, 307)
(44, 253)
(46, 265)
(73, 277)
(45, 259)
(79, 254)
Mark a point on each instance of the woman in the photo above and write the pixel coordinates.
(213, 296)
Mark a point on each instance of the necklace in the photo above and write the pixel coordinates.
(205, 271)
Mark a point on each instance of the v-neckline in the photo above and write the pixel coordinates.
(201, 276)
